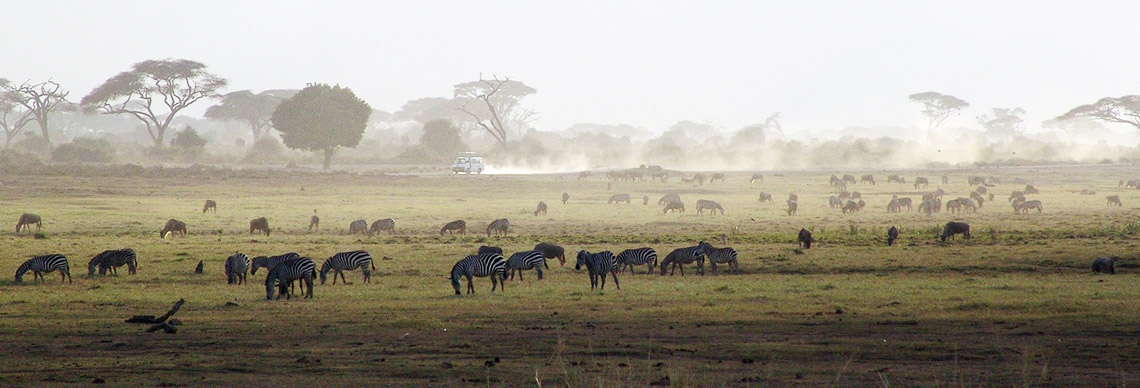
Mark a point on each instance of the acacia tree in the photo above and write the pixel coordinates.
(253, 109)
(1123, 110)
(13, 116)
(938, 107)
(322, 118)
(41, 99)
(493, 105)
(1003, 122)
(174, 83)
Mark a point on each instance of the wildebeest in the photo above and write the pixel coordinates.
(674, 206)
(541, 209)
(834, 202)
(894, 178)
(1114, 200)
(551, 251)
(921, 181)
(716, 176)
(892, 235)
(792, 207)
(804, 238)
(1017, 196)
(681, 256)
(711, 206)
(489, 249)
(953, 228)
(850, 207)
(172, 226)
(756, 177)
(977, 197)
(583, 175)
(981, 190)
(849, 179)
(619, 198)
(314, 222)
(1029, 189)
(953, 206)
(793, 197)
(644, 199)
(765, 197)
(699, 178)
(387, 224)
(210, 205)
(1103, 265)
(867, 178)
(565, 197)
(260, 225)
(976, 180)
(834, 180)
(499, 227)
(856, 195)
(359, 227)
(26, 221)
(945, 180)
(454, 226)
(669, 198)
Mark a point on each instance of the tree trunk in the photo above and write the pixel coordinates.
(44, 128)
(328, 158)
(158, 132)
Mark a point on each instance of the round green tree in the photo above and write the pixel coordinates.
(322, 118)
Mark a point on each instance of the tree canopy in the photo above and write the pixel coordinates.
(938, 107)
(41, 99)
(1003, 122)
(13, 116)
(441, 139)
(252, 109)
(188, 141)
(1122, 110)
(322, 118)
(494, 105)
(154, 91)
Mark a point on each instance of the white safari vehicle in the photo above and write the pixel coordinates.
(468, 163)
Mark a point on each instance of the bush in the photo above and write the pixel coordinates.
(84, 150)
(33, 144)
(189, 142)
(267, 148)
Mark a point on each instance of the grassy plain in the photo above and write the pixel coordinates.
(1016, 306)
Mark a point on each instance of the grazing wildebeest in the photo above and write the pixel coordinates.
(756, 177)
(716, 176)
(834, 202)
(387, 224)
(26, 221)
(976, 180)
(712, 207)
(1114, 200)
(583, 175)
(968, 204)
(314, 222)
(804, 238)
(619, 198)
(867, 178)
(850, 207)
(953, 206)
(945, 180)
(488, 249)
(856, 195)
(499, 227)
(892, 235)
(172, 226)
(938, 193)
(849, 179)
(565, 197)
(792, 207)
(894, 178)
(454, 226)
(359, 227)
(681, 256)
(977, 197)
(765, 197)
(669, 198)
(1133, 184)
(905, 202)
(644, 199)
(210, 205)
(953, 228)
(921, 181)
(551, 251)
(674, 206)
(541, 209)
(834, 180)
(1103, 265)
(260, 225)
(1029, 189)
(699, 178)
(1017, 195)
(793, 197)
(981, 190)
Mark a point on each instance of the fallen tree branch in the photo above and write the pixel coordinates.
(152, 319)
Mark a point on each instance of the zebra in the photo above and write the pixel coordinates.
(384, 224)
(286, 272)
(487, 264)
(674, 206)
(26, 221)
(260, 225)
(551, 251)
(717, 176)
(667, 198)
(834, 202)
(499, 226)
(921, 181)
(635, 257)
(867, 178)
(565, 197)
(348, 261)
(1114, 200)
(236, 267)
(792, 207)
(541, 209)
(172, 226)
(270, 262)
(725, 255)
(618, 198)
(598, 264)
(893, 205)
(681, 256)
(526, 260)
(712, 206)
(109, 260)
(210, 205)
(44, 264)
(358, 227)
(453, 226)
(765, 197)
(905, 202)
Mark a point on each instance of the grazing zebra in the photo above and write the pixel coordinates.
(565, 197)
(314, 222)
(921, 181)
(551, 251)
(526, 260)
(850, 207)
(756, 177)
(288, 271)
(486, 249)
(1114, 200)
(977, 197)
(453, 226)
(384, 224)
(792, 207)
(667, 198)
(717, 176)
(1103, 265)
(598, 264)
(210, 205)
(270, 262)
(635, 257)
(110, 260)
(804, 238)
(725, 255)
(681, 256)
(892, 235)
(172, 226)
(40, 265)
(712, 206)
(1025, 206)
(765, 197)
(26, 221)
(905, 202)
(348, 261)
(867, 178)
(952, 228)
(359, 227)
(236, 267)
(499, 227)
(541, 209)
(488, 264)
(1029, 189)
(674, 206)
(893, 206)
(616, 198)
(260, 225)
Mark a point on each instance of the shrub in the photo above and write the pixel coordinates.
(84, 150)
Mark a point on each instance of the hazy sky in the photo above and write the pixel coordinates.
(824, 64)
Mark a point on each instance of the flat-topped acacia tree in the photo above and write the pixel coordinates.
(322, 118)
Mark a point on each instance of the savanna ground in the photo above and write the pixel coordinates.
(1016, 306)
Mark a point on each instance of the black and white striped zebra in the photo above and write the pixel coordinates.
(384, 224)
(348, 261)
(716, 256)
(598, 265)
(40, 265)
(111, 260)
(236, 267)
(270, 262)
(499, 226)
(526, 260)
(681, 256)
(285, 272)
(487, 264)
(637, 256)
